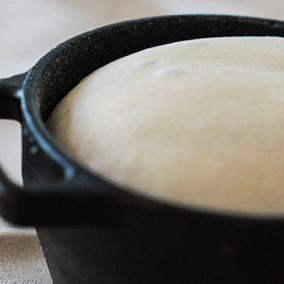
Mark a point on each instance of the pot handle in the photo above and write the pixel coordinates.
(71, 201)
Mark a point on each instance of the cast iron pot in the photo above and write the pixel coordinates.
(93, 231)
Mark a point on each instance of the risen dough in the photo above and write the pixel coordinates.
(195, 122)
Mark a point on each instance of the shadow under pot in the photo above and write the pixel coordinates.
(91, 230)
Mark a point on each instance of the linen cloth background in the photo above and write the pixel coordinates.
(29, 29)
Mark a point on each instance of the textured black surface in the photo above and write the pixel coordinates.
(132, 239)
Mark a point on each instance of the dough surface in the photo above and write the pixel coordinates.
(194, 122)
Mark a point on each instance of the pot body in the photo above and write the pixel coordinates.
(150, 249)
(150, 245)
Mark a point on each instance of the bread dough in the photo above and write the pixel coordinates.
(196, 122)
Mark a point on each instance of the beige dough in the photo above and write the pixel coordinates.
(195, 122)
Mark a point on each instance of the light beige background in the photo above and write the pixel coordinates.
(28, 29)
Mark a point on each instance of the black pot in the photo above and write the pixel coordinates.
(91, 230)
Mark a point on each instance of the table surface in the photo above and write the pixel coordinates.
(30, 28)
